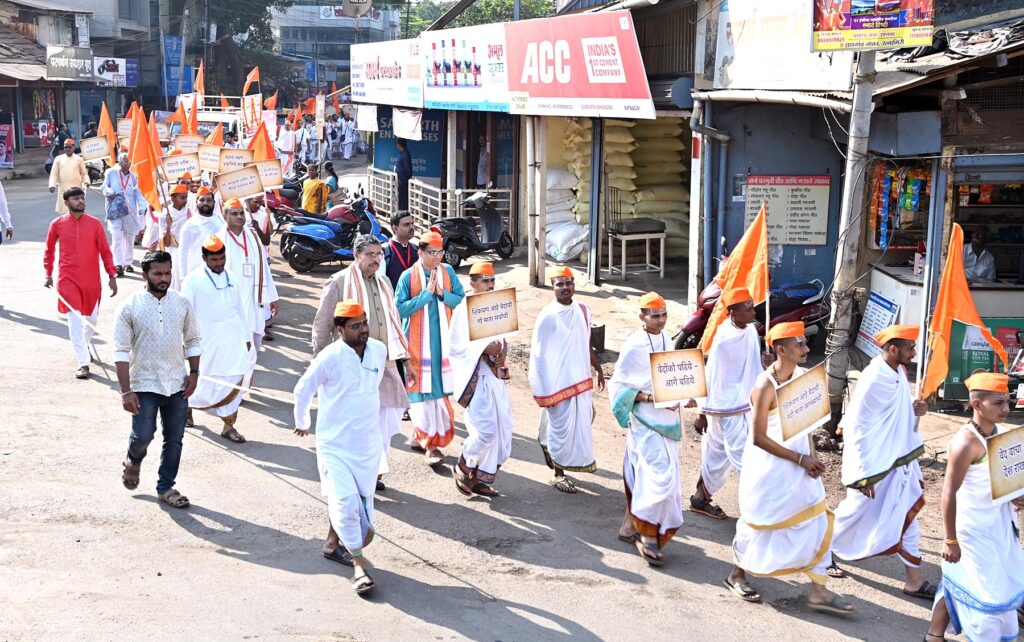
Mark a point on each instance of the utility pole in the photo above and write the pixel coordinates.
(181, 59)
(850, 226)
(408, 10)
(206, 36)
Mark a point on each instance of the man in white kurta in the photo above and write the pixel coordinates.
(248, 266)
(348, 135)
(650, 467)
(885, 487)
(123, 201)
(481, 387)
(345, 377)
(982, 563)
(360, 282)
(195, 231)
(169, 226)
(561, 359)
(227, 343)
(785, 525)
(733, 365)
(68, 170)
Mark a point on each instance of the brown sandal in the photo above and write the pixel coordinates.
(130, 475)
(484, 490)
(174, 498)
(233, 435)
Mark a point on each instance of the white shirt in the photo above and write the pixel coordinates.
(347, 388)
(5, 215)
(218, 309)
(193, 234)
(979, 267)
(155, 336)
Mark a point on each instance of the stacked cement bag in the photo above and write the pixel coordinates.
(661, 192)
(564, 238)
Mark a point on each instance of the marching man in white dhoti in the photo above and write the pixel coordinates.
(247, 264)
(983, 566)
(226, 341)
(481, 387)
(426, 295)
(346, 376)
(169, 228)
(195, 231)
(123, 199)
(885, 487)
(654, 502)
(733, 365)
(361, 283)
(785, 526)
(561, 359)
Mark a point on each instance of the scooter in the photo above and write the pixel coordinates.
(306, 243)
(461, 240)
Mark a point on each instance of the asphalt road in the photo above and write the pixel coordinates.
(82, 557)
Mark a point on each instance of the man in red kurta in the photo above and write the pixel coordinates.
(82, 244)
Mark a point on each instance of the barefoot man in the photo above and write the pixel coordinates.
(885, 487)
(983, 566)
(785, 526)
(345, 376)
(654, 503)
(561, 359)
(734, 363)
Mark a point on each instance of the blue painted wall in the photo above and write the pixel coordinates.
(783, 140)
(426, 153)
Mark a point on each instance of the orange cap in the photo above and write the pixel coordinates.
(560, 272)
(432, 239)
(988, 381)
(175, 152)
(787, 330)
(187, 175)
(907, 332)
(736, 295)
(203, 191)
(213, 244)
(179, 189)
(652, 301)
(484, 269)
(69, 142)
(348, 309)
(233, 204)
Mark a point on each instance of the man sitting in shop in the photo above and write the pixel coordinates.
(979, 264)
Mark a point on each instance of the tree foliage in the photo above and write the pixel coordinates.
(482, 12)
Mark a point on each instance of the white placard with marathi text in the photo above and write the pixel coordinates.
(797, 207)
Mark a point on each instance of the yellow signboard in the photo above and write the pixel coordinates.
(677, 375)
(803, 403)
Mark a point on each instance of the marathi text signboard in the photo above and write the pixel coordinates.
(803, 403)
(93, 148)
(797, 207)
(232, 159)
(860, 25)
(1006, 465)
(240, 183)
(163, 131)
(677, 375)
(124, 127)
(270, 173)
(209, 157)
(465, 69)
(176, 166)
(188, 143)
(578, 65)
(492, 314)
(388, 74)
(879, 314)
(69, 63)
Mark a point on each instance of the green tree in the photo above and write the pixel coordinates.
(425, 13)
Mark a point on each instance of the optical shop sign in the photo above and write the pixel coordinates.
(1006, 465)
(579, 65)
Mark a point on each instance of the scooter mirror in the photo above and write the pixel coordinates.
(458, 192)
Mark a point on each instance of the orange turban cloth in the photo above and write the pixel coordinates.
(736, 295)
(483, 269)
(179, 189)
(348, 309)
(652, 301)
(988, 381)
(787, 330)
(907, 332)
(233, 204)
(432, 239)
(213, 244)
(204, 191)
(560, 272)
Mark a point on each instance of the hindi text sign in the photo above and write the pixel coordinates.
(1006, 465)
(163, 131)
(209, 157)
(270, 172)
(176, 166)
(492, 314)
(188, 143)
(93, 148)
(232, 159)
(124, 127)
(803, 403)
(678, 376)
(240, 183)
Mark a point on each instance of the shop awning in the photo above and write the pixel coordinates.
(22, 71)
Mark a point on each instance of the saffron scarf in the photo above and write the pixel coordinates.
(423, 362)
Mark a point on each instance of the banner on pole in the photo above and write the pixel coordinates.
(232, 159)
(209, 157)
(492, 314)
(270, 173)
(176, 166)
(93, 148)
(678, 376)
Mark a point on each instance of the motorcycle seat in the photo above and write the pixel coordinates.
(289, 194)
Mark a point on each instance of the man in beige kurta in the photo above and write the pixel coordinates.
(68, 171)
(361, 282)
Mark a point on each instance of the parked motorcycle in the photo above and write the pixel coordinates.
(798, 302)
(461, 240)
(307, 242)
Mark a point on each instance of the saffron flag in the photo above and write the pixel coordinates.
(193, 117)
(143, 162)
(271, 103)
(179, 116)
(200, 80)
(746, 267)
(216, 137)
(224, 104)
(954, 302)
(106, 129)
(154, 139)
(260, 144)
(254, 76)
(336, 103)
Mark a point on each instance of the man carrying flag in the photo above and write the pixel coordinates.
(169, 228)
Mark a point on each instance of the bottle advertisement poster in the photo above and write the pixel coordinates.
(465, 69)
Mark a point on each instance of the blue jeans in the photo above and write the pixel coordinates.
(173, 410)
